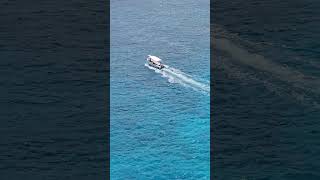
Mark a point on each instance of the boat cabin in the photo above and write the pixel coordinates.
(154, 61)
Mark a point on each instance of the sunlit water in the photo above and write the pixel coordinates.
(160, 119)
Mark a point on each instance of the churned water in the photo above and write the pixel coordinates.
(160, 119)
(267, 89)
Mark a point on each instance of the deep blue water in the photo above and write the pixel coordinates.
(160, 121)
(266, 89)
(53, 90)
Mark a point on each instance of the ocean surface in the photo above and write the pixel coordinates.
(53, 90)
(266, 84)
(160, 120)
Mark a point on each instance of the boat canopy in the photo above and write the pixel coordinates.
(155, 58)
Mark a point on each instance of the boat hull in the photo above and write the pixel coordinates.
(158, 66)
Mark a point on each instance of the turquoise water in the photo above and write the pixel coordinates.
(160, 120)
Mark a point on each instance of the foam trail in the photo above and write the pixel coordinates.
(177, 76)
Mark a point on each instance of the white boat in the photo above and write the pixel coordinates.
(154, 61)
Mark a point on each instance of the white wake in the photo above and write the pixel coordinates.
(176, 76)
